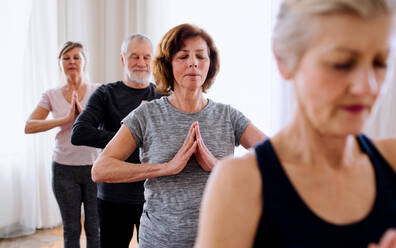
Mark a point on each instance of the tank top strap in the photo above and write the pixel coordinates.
(278, 195)
(375, 156)
(385, 175)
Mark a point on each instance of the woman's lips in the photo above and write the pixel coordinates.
(354, 108)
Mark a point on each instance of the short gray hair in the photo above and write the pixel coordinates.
(139, 37)
(290, 36)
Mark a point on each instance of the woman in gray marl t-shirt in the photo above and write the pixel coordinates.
(181, 137)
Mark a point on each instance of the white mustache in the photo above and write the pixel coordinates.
(140, 69)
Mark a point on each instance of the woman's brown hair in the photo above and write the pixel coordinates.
(171, 43)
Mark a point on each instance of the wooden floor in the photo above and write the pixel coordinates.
(47, 238)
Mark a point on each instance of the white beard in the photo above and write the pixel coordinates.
(137, 79)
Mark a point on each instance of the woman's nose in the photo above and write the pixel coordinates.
(366, 83)
(193, 62)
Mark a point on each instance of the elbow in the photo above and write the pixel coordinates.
(75, 137)
(98, 174)
(262, 138)
(28, 128)
(74, 140)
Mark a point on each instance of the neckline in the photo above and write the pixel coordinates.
(135, 89)
(82, 99)
(186, 113)
(306, 207)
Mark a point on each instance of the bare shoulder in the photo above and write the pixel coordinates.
(387, 147)
(242, 171)
(231, 204)
(237, 177)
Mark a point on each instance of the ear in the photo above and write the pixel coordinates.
(282, 66)
(122, 60)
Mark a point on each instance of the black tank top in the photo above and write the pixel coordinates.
(286, 221)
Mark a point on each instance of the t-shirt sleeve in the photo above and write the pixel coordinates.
(136, 124)
(239, 123)
(45, 101)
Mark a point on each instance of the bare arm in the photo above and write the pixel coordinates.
(251, 136)
(387, 148)
(111, 167)
(37, 121)
(231, 205)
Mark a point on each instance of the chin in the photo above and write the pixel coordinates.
(340, 127)
(194, 85)
(352, 124)
(348, 129)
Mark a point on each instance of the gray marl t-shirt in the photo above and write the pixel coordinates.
(171, 210)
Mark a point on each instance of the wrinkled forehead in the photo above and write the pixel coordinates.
(139, 46)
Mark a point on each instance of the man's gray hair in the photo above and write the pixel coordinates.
(139, 37)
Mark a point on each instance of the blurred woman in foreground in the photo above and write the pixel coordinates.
(319, 182)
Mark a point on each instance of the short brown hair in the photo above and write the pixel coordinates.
(171, 43)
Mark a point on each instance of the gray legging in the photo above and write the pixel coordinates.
(73, 186)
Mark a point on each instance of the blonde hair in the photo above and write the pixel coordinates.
(292, 31)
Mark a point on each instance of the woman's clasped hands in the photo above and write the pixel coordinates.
(193, 144)
(75, 108)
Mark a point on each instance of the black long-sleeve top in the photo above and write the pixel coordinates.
(99, 122)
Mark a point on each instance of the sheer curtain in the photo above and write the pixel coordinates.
(26, 195)
(28, 68)
(102, 25)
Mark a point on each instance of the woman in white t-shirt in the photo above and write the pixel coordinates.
(72, 183)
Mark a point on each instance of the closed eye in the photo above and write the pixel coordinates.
(380, 64)
(343, 66)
